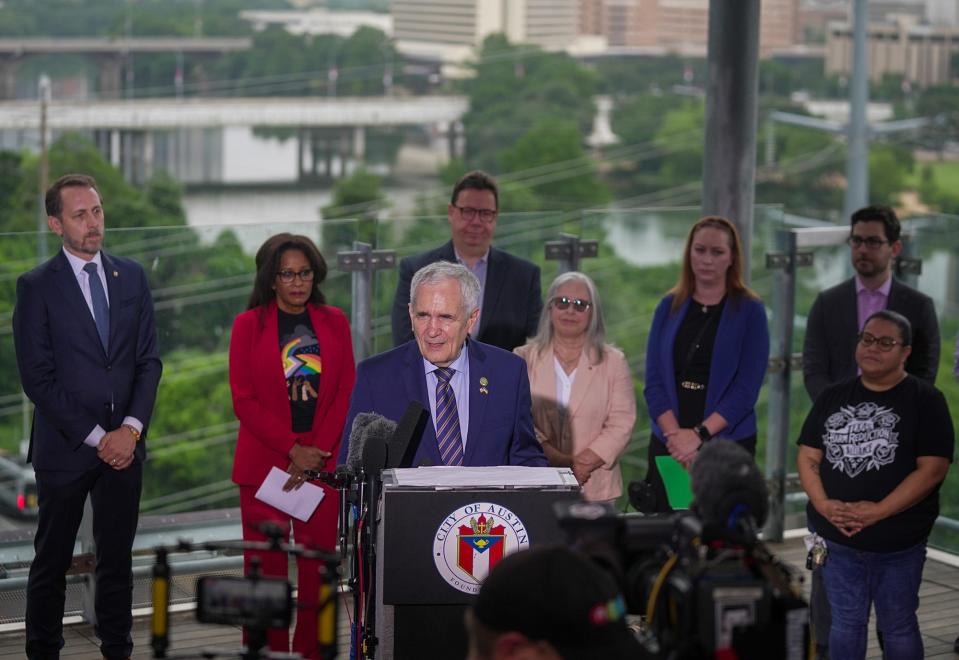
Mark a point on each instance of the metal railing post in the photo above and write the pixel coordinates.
(361, 262)
(780, 370)
(88, 549)
(569, 249)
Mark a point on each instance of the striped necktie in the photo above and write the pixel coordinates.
(448, 436)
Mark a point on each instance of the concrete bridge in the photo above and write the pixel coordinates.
(110, 54)
(142, 135)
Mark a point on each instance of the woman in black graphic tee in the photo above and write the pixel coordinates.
(872, 455)
(291, 374)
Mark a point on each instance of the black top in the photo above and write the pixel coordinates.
(302, 366)
(870, 442)
(692, 356)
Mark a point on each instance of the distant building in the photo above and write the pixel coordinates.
(318, 21)
(450, 30)
(680, 25)
(921, 54)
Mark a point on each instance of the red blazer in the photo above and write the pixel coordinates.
(260, 398)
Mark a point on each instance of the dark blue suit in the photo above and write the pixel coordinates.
(75, 385)
(500, 420)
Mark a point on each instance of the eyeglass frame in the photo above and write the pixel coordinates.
(562, 303)
(290, 276)
(468, 213)
(885, 347)
(871, 242)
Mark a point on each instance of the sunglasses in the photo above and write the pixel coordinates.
(564, 302)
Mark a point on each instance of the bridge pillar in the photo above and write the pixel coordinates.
(110, 80)
(8, 77)
(359, 143)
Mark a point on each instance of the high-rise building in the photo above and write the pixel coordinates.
(681, 25)
(451, 29)
(921, 54)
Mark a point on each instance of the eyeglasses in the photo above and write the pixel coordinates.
(287, 276)
(872, 242)
(468, 213)
(564, 303)
(885, 343)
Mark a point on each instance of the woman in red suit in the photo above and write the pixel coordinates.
(291, 374)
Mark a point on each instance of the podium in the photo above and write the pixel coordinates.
(440, 531)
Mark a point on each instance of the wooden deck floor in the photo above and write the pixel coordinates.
(938, 621)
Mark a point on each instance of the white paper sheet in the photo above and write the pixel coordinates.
(502, 476)
(299, 503)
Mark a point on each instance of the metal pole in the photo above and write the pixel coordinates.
(361, 318)
(857, 158)
(729, 159)
(780, 353)
(43, 181)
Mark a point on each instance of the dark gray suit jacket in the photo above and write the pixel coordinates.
(829, 351)
(512, 298)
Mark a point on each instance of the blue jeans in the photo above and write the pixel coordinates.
(856, 579)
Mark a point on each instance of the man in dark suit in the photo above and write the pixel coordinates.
(510, 296)
(833, 326)
(837, 315)
(87, 354)
(478, 395)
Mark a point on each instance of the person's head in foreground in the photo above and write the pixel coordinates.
(549, 603)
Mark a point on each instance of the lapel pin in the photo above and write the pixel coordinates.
(483, 390)
(116, 274)
(483, 383)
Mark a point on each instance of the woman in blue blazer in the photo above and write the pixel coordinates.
(707, 353)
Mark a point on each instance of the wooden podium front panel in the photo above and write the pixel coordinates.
(412, 520)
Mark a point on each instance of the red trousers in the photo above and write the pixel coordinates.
(319, 532)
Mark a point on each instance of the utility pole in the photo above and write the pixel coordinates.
(43, 181)
(857, 162)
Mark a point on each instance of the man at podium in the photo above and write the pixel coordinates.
(478, 395)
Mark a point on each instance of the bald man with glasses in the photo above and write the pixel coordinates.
(510, 295)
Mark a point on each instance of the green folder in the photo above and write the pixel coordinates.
(676, 479)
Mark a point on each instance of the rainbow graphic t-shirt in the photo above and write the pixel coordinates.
(302, 366)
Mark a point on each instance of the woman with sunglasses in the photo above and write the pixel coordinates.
(873, 453)
(584, 406)
(291, 374)
(706, 354)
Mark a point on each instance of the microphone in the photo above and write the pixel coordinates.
(729, 493)
(357, 440)
(401, 445)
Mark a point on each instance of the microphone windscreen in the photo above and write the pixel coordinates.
(726, 484)
(374, 455)
(358, 436)
(401, 445)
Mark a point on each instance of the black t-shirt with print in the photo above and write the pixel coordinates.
(870, 441)
(302, 366)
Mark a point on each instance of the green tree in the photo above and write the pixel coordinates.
(553, 148)
(889, 169)
(357, 197)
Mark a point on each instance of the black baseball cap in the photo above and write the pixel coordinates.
(560, 596)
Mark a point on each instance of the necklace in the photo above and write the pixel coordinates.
(567, 363)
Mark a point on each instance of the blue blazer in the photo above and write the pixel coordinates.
(736, 371)
(72, 382)
(500, 422)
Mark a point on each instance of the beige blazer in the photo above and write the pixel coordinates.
(600, 416)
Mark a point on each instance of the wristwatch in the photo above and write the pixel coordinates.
(133, 431)
(703, 432)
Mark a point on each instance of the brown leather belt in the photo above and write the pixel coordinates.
(690, 385)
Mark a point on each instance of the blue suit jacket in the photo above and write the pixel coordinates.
(500, 422)
(72, 382)
(736, 371)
